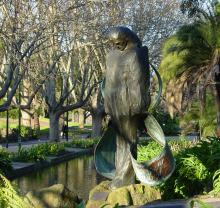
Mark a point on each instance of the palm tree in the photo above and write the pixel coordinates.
(191, 60)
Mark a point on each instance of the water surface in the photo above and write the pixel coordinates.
(78, 175)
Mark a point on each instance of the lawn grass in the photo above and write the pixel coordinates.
(14, 123)
(70, 123)
(11, 126)
(44, 127)
(44, 131)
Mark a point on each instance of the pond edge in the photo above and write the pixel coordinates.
(23, 168)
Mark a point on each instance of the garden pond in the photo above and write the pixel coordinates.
(78, 175)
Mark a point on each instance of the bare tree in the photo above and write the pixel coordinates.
(58, 47)
(21, 35)
(153, 20)
(65, 64)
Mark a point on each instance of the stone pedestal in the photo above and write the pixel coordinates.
(136, 194)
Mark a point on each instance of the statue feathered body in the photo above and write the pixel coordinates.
(126, 100)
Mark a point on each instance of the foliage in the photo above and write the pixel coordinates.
(13, 113)
(216, 182)
(147, 152)
(169, 125)
(25, 155)
(147, 149)
(26, 133)
(43, 131)
(193, 168)
(77, 130)
(196, 166)
(181, 144)
(5, 161)
(190, 58)
(201, 204)
(9, 197)
(39, 152)
(82, 143)
(193, 121)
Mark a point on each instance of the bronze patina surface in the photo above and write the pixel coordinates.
(127, 100)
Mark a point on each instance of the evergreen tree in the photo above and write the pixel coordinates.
(191, 59)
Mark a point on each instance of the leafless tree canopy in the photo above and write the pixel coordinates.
(56, 48)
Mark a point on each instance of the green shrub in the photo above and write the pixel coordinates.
(13, 114)
(192, 168)
(26, 133)
(169, 125)
(196, 167)
(181, 144)
(36, 153)
(82, 143)
(216, 183)
(39, 152)
(5, 161)
(199, 203)
(13, 135)
(148, 151)
(55, 148)
(21, 155)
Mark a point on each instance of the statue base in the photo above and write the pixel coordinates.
(135, 194)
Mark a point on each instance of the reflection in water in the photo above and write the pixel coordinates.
(78, 175)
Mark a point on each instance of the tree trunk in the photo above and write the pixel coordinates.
(36, 114)
(81, 119)
(202, 99)
(217, 95)
(26, 119)
(54, 127)
(202, 105)
(96, 124)
(36, 122)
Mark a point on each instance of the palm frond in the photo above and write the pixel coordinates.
(189, 57)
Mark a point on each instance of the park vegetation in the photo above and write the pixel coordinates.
(39, 152)
(190, 66)
(53, 53)
(197, 163)
(197, 167)
(52, 61)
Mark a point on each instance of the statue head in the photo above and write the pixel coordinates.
(123, 37)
